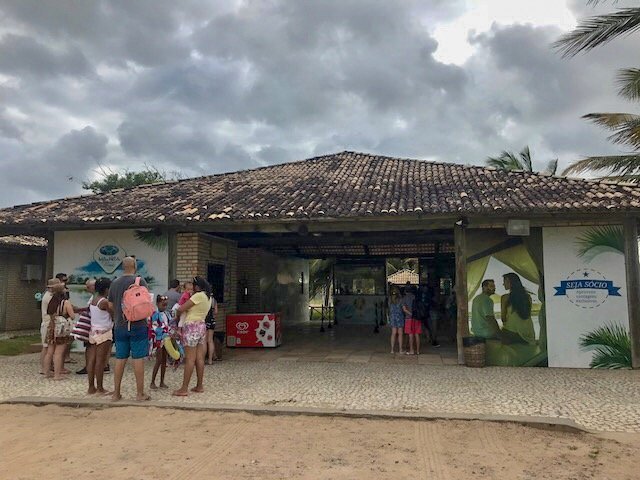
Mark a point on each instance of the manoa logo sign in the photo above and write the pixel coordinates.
(587, 288)
(109, 256)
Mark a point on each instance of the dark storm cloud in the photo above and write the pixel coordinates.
(57, 170)
(23, 55)
(203, 87)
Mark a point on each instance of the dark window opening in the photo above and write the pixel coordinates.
(215, 277)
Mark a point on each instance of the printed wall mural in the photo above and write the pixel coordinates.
(586, 297)
(99, 253)
(510, 311)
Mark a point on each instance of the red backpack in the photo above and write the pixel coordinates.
(136, 302)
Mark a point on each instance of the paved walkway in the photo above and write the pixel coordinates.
(596, 400)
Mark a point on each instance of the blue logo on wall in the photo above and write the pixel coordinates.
(109, 250)
(587, 288)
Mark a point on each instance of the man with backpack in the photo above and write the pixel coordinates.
(130, 334)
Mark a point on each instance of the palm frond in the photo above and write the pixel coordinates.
(629, 83)
(608, 237)
(626, 126)
(598, 30)
(525, 159)
(611, 345)
(320, 275)
(156, 239)
(505, 161)
(617, 165)
(552, 167)
(611, 121)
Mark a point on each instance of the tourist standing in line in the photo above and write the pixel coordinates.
(63, 277)
(396, 319)
(412, 327)
(160, 322)
(61, 315)
(210, 323)
(100, 337)
(194, 334)
(173, 294)
(131, 338)
(90, 287)
(44, 324)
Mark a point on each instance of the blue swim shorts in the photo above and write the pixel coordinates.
(132, 342)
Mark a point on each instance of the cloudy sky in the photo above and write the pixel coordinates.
(210, 86)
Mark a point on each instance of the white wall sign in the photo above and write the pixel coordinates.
(99, 253)
(585, 288)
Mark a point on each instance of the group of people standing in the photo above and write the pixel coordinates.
(412, 311)
(186, 316)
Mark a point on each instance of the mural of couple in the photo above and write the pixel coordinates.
(573, 315)
(504, 277)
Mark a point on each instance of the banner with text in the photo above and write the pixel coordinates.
(585, 284)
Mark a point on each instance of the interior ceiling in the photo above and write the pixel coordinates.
(384, 244)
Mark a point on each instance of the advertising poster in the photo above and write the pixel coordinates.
(587, 312)
(506, 296)
(83, 255)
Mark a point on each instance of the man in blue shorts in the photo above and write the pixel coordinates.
(131, 340)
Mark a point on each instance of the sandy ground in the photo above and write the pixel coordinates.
(149, 443)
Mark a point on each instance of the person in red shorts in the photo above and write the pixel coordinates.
(412, 326)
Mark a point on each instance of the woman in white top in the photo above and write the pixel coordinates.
(100, 337)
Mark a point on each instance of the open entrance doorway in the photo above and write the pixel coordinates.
(350, 275)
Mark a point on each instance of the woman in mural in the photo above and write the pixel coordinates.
(61, 316)
(100, 337)
(194, 334)
(516, 312)
(396, 319)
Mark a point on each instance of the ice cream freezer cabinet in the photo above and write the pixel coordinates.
(255, 330)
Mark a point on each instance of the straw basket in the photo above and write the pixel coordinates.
(474, 352)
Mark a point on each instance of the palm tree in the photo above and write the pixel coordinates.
(522, 161)
(611, 345)
(587, 35)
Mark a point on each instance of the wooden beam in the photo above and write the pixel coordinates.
(462, 300)
(632, 267)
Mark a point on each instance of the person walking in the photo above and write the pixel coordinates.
(100, 337)
(173, 294)
(131, 338)
(194, 334)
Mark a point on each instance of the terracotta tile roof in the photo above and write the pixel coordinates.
(345, 184)
(23, 241)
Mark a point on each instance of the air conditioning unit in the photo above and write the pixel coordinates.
(31, 273)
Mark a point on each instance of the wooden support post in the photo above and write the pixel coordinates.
(632, 267)
(50, 251)
(461, 288)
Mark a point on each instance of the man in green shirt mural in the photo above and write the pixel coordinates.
(483, 319)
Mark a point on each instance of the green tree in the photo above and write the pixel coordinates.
(321, 279)
(521, 161)
(126, 179)
(590, 33)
